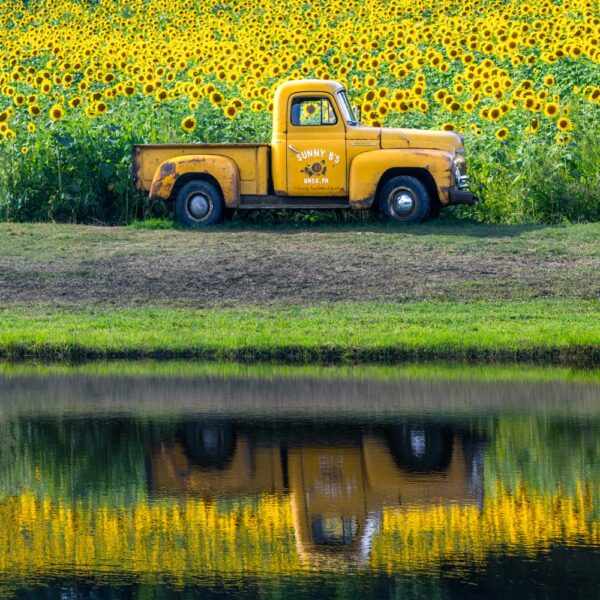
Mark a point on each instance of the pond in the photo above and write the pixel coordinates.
(186, 480)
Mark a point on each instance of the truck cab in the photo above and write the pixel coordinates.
(320, 156)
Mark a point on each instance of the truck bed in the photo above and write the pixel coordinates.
(252, 161)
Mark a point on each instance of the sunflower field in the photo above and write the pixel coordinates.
(81, 81)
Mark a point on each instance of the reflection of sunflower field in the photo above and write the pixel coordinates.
(186, 540)
(81, 81)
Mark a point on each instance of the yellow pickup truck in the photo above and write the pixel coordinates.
(338, 483)
(319, 157)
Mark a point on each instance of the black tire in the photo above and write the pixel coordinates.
(421, 448)
(229, 214)
(434, 211)
(405, 199)
(209, 445)
(199, 203)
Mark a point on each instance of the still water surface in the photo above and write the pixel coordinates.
(182, 480)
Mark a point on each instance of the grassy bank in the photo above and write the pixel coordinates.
(551, 331)
(337, 293)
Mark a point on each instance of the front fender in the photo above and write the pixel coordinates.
(367, 169)
(221, 168)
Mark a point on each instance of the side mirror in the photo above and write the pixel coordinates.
(357, 112)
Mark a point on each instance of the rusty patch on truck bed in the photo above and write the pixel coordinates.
(162, 186)
(167, 169)
(169, 172)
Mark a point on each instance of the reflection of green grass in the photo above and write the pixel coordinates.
(557, 331)
(546, 455)
(448, 371)
(69, 458)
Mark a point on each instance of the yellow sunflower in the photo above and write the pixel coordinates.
(564, 124)
(189, 123)
(502, 133)
(230, 111)
(551, 109)
(57, 112)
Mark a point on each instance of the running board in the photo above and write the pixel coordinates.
(298, 202)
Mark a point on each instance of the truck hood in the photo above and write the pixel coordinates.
(389, 138)
(420, 138)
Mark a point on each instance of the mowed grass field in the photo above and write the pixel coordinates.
(336, 293)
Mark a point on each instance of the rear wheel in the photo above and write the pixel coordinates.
(405, 199)
(199, 203)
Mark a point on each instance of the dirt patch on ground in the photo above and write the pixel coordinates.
(82, 265)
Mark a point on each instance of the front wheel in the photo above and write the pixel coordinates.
(405, 199)
(199, 203)
(421, 448)
(210, 445)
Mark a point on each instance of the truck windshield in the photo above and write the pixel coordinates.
(347, 109)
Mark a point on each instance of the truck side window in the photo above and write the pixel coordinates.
(312, 111)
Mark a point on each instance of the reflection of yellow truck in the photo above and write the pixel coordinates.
(338, 490)
(319, 157)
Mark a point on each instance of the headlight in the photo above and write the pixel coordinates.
(462, 181)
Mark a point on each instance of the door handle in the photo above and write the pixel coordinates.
(293, 149)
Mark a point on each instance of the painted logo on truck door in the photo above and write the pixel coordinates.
(319, 161)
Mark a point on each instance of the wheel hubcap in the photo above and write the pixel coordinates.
(198, 206)
(403, 202)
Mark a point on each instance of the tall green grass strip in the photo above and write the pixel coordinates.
(558, 332)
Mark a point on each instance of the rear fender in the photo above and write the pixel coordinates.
(368, 168)
(222, 169)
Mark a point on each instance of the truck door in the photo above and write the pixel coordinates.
(316, 147)
(328, 499)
